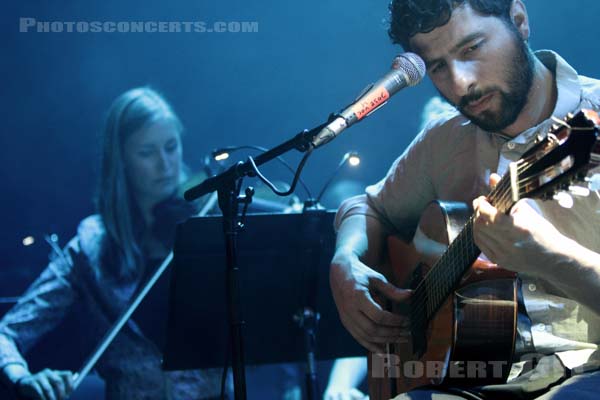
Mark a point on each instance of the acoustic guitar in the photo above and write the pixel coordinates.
(463, 310)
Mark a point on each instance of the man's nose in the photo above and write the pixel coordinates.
(464, 77)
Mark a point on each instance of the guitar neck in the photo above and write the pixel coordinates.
(563, 156)
(444, 277)
(569, 150)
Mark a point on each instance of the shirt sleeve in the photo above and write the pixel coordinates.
(41, 308)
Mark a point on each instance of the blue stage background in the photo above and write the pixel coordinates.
(307, 59)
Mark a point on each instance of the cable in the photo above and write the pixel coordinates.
(263, 149)
(296, 176)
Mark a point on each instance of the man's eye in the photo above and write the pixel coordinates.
(471, 49)
(438, 67)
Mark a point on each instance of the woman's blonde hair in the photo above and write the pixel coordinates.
(132, 111)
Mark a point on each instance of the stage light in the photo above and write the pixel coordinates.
(353, 159)
(220, 156)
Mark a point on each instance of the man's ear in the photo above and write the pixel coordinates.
(519, 17)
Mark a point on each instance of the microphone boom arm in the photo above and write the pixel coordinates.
(302, 142)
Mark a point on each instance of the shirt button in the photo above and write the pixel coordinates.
(511, 146)
(532, 287)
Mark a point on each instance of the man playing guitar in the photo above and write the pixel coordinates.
(477, 56)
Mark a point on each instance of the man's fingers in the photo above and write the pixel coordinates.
(368, 334)
(381, 334)
(377, 330)
(476, 204)
(373, 342)
(354, 326)
(371, 330)
(494, 179)
(365, 342)
(485, 213)
(380, 317)
(390, 291)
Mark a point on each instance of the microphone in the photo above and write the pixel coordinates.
(408, 69)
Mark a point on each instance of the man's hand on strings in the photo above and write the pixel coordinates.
(354, 286)
(517, 241)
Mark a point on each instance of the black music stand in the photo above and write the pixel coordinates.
(284, 260)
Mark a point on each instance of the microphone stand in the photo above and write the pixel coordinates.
(307, 319)
(228, 185)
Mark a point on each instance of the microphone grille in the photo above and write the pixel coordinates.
(412, 65)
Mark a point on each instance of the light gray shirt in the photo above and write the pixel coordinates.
(452, 159)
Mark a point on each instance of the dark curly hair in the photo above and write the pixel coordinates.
(409, 17)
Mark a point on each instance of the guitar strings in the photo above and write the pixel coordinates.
(435, 282)
(436, 285)
(501, 197)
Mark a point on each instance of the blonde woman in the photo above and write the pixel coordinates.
(113, 253)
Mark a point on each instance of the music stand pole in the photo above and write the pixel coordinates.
(307, 319)
(227, 185)
(229, 202)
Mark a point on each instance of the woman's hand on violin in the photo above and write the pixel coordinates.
(47, 384)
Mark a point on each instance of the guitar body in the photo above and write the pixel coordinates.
(469, 341)
(463, 310)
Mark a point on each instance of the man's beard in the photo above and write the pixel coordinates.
(519, 78)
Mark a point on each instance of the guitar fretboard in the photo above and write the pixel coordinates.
(444, 277)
